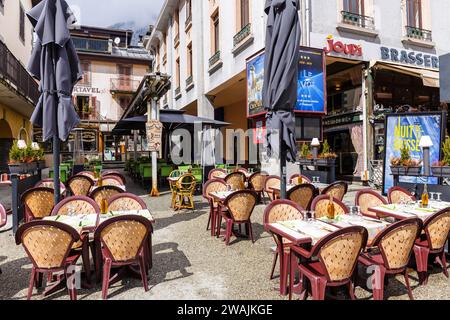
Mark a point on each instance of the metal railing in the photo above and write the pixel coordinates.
(241, 35)
(417, 33)
(177, 40)
(214, 59)
(188, 21)
(124, 85)
(358, 20)
(177, 91)
(95, 45)
(15, 73)
(189, 81)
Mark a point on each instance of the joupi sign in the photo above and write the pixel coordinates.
(343, 48)
(410, 57)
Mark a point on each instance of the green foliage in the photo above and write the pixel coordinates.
(404, 153)
(326, 147)
(326, 151)
(15, 153)
(446, 151)
(304, 151)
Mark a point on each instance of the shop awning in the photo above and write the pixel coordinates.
(430, 78)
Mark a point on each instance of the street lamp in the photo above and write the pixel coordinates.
(315, 144)
(426, 143)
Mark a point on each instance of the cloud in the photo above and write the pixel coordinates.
(104, 13)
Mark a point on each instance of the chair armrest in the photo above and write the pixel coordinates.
(301, 251)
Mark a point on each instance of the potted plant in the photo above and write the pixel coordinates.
(404, 165)
(21, 158)
(441, 169)
(327, 157)
(305, 155)
(38, 155)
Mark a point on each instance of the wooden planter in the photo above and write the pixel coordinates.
(441, 172)
(406, 171)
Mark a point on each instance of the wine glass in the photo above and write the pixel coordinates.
(311, 216)
(432, 196)
(439, 196)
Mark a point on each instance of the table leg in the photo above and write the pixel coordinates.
(283, 274)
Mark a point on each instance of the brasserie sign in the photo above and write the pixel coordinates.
(419, 59)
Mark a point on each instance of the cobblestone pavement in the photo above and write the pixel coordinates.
(190, 264)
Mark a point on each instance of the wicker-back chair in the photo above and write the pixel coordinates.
(88, 174)
(337, 256)
(338, 190)
(437, 229)
(48, 244)
(256, 183)
(112, 181)
(276, 211)
(368, 198)
(271, 181)
(115, 174)
(126, 202)
(243, 170)
(303, 195)
(185, 188)
(214, 185)
(240, 206)
(391, 253)
(294, 179)
(320, 206)
(80, 185)
(38, 202)
(104, 192)
(217, 174)
(173, 185)
(3, 217)
(76, 205)
(122, 241)
(50, 183)
(236, 180)
(397, 195)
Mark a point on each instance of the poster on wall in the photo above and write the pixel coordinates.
(311, 96)
(408, 129)
(259, 132)
(154, 130)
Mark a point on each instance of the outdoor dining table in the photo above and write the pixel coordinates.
(299, 232)
(412, 210)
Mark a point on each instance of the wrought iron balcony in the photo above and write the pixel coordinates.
(242, 35)
(358, 20)
(214, 59)
(12, 71)
(124, 85)
(177, 40)
(188, 22)
(177, 92)
(420, 34)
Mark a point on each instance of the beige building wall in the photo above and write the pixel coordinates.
(15, 123)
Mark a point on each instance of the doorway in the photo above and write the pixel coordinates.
(6, 142)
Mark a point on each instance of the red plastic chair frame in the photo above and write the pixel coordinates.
(112, 177)
(69, 260)
(237, 173)
(27, 211)
(337, 183)
(210, 174)
(40, 183)
(313, 189)
(266, 188)
(406, 192)
(91, 182)
(115, 174)
(213, 211)
(75, 198)
(100, 189)
(326, 197)
(3, 216)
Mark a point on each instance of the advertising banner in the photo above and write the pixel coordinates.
(311, 83)
(154, 135)
(408, 129)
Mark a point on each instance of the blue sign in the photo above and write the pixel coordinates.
(255, 81)
(311, 82)
(408, 129)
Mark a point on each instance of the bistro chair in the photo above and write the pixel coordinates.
(398, 195)
(240, 206)
(243, 170)
(88, 174)
(76, 205)
(104, 192)
(256, 183)
(368, 198)
(330, 263)
(432, 241)
(185, 188)
(173, 185)
(236, 180)
(277, 211)
(50, 183)
(338, 190)
(121, 242)
(391, 252)
(80, 185)
(271, 181)
(294, 179)
(3, 217)
(214, 185)
(111, 181)
(320, 206)
(48, 245)
(217, 174)
(38, 203)
(117, 175)
(303, 195)
(126, 202)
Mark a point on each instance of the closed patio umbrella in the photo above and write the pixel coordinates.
(55, 64)
(280, 81)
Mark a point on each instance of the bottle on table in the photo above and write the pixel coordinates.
(425, 196)
(331, 209)
(104, 206)
(300, 180)
(100, 181)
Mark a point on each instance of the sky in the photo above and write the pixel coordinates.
(104, 13)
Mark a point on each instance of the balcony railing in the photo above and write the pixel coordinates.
(14, 72)
(358, 20)
(189, 81)
(177, 40)
(177, 91)
(188, 22)
(94, 45)
(420, 34)
(214, 59)
(241, 35)
(124, 85)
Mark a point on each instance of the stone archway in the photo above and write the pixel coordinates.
(6, 141)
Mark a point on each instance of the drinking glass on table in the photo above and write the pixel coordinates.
(310, 216)
(439, 196)
(432, 196)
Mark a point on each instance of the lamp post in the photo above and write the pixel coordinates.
(426, 143)
(315, 144)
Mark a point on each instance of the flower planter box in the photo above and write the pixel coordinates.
(40, 164)
(406, 171)
(326, 162)
(441, 172)
(20, 168)
(306, 162)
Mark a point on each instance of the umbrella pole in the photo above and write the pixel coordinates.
(283, 193)
(56, 179)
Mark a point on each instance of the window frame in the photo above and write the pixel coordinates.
(215, 23)
(189, 60)
(359, 6)
(21, 23)
(414, 7)
(244, 13)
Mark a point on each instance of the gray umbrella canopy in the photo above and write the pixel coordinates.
(280, 75)
(54, 62)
